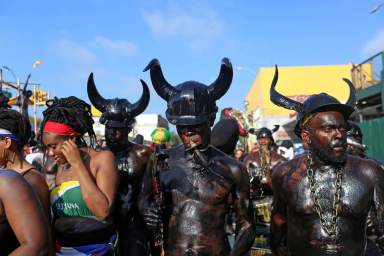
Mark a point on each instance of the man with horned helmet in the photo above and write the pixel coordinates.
(118, 116)
(322, 197)
(261, 162)
(199, 179)
(259, 165)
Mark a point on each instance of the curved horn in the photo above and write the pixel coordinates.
(161, 86)
(280, 99)
(139, 107)
(94, 96)
(275, 128)
(222, 83)
(352, 93)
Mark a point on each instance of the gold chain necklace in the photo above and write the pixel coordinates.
(330, 227)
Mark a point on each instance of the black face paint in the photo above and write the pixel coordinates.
(194, 136)
(116, 138)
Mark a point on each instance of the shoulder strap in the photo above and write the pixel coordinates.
(27, 171)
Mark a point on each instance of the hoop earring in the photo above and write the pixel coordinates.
(13, 157)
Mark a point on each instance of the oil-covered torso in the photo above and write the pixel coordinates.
(130, 164)
(305, 235)
(197, 197)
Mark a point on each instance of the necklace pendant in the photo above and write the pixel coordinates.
(329, 246)
(331, 249)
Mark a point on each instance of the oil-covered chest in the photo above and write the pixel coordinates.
(185, 180)
(355, 194)
(128, 165)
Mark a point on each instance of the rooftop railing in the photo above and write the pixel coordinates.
(369, 72)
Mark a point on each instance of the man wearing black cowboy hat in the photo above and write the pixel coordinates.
(118, 116)
(322, 197)
(261, 162)
(199, 179)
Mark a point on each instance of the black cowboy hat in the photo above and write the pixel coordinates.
(315, 103)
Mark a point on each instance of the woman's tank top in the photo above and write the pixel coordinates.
(67, 201)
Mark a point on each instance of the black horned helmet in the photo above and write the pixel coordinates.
(264, 132)
(191, 102)
(314, 103)
(354, 131)
(117, 113)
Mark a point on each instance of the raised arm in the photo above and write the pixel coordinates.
(98, 192)
(278, 215)
(243, 208)
(24, 215)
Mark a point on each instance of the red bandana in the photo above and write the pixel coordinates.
(58, 128)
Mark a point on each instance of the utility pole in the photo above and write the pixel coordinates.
(1, 79)
(34, 109)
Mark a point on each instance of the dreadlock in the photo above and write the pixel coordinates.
(17, 124)
(73, 112)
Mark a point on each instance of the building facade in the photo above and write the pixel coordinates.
(297, 83)
(144, 125)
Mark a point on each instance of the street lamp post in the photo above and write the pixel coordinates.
(17, 79)
(23, 96)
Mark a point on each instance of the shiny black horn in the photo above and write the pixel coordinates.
(222, 83)
(352, 93)
(275, 128)
(281, 100)
(94, 96)
(161, 86)
(139, 107)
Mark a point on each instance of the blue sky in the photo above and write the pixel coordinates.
(116, 40)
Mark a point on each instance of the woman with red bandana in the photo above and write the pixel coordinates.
(85, 182)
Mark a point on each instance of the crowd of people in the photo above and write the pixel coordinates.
(73, 196)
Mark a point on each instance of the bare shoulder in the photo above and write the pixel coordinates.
(287, 168)
(102, 158)
(101, 155)
(367, 167)
(10, 180)
(236, 167)
(175, 152)
(35, 178)
(142, 150)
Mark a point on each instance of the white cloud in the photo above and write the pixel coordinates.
(375, 45)
(198, 26)
(75, 51)
(182, 24)
(117, 47)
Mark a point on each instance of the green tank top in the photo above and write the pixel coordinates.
(67, 201)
